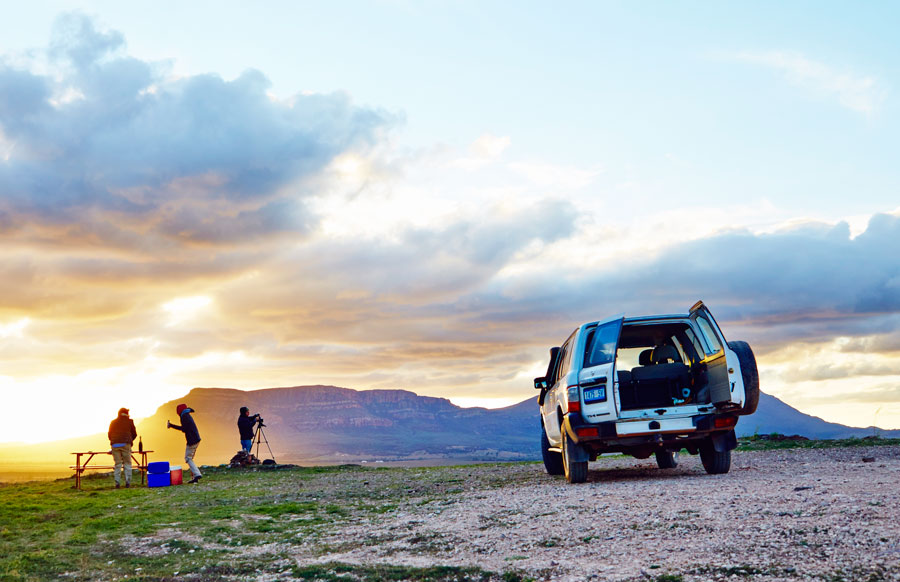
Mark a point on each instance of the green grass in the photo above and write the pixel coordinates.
(252, 524)
(48, 530)
(777, 441)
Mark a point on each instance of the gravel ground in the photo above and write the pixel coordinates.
(777, 515)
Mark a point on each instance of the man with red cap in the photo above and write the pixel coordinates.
(191, 435)
(121, 436)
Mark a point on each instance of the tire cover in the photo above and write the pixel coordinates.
(749, 374)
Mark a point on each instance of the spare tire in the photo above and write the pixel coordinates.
(749, 374)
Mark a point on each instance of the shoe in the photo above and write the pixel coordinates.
(117, 485)
(127, 485)
(196, 479)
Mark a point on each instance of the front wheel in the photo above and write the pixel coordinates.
(553, 462)
(715, 462)
(576, 471)
(666, 459)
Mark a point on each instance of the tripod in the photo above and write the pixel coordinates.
(259, 437)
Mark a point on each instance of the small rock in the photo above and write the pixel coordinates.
(868, 459)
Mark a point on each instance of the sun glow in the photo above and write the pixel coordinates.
(14, 329)
(184, 308)
(84, 403)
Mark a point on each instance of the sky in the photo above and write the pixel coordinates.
(427, 196)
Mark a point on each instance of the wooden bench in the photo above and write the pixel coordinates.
(80, 467)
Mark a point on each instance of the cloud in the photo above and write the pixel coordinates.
(417, 269)
(884, 393)
(490, 146)
(549, 175)
(862, 94)
(887, 343)
(322, 255)
(199, 160)
(431, 304)
(814, 274)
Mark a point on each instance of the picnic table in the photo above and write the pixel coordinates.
(80, 467)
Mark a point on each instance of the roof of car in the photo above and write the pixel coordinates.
(641, 318)
(655, 317)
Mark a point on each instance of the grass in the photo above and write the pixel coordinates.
(238, 525)
(777, 441)
(252, 524)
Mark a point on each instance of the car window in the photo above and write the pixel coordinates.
(712, 340)
(564, 357)
(690, 346)
(682, 353)
(601, 345)
(628, 358)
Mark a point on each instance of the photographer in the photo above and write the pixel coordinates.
(245, 426)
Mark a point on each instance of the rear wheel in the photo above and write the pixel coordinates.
(749, 374)
(715, 462)
(575, 471)
(667, 459)
(552, 461)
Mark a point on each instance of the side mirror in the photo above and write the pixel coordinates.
(541, 383)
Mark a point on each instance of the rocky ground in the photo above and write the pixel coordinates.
(777, 515)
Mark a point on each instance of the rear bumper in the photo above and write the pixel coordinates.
(663, 433)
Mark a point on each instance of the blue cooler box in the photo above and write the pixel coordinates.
(158, 467)
(158, 479)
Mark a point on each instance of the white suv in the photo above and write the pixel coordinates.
(645, 385)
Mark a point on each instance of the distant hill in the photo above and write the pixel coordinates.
(327, 424)
(773, 416)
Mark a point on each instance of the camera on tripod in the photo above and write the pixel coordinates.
(251, 431)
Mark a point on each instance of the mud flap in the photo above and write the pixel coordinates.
(577, 453)
(724, 441)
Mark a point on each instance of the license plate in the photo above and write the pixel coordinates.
(595, 395)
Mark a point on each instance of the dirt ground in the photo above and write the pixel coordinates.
(777, 515)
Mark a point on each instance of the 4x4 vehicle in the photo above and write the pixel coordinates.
(642, 386)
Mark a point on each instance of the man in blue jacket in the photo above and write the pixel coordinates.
(191, 435)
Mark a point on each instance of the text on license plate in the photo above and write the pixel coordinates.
(594, 395)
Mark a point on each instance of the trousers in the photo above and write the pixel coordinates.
(189, 452)
(122, 460)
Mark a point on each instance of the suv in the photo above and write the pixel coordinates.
(643, 386)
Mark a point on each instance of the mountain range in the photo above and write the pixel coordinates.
(326, 424)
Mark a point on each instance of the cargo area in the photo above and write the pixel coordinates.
(659, 366)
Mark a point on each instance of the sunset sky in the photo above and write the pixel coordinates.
(428, 195)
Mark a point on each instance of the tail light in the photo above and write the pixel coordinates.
(574, 399)
(725, 421)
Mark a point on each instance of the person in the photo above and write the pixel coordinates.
(191, 436)
(121, 436)
(245, 427)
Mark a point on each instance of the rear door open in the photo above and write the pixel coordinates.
(596, 376)
(721, 363)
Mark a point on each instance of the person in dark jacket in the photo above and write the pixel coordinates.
(191, 436)
(245, 427)
(121, 436)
